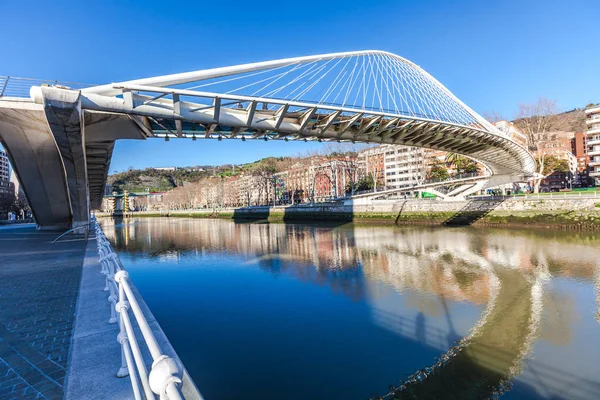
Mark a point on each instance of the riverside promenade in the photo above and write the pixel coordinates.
(55, 339)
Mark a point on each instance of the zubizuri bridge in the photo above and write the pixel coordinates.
(60, 136)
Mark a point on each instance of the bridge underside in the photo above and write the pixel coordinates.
(242, 117)
(61, 155)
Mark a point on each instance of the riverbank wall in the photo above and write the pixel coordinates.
(580, 213)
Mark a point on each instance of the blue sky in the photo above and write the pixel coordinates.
(492, 54)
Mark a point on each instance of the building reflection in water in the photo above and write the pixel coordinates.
(529, 291)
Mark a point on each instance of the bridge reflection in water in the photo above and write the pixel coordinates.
(507, 312)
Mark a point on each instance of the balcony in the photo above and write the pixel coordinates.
(594, 162)
(594, 152)
(593, 110)
(593, 142)
(592, 131)
(594, 119)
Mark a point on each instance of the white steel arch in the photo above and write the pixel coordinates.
(363, 96)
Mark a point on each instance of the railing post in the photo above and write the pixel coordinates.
(4, 86)
(122, 338)
(113, 298)
(163, 378)
(122, 307)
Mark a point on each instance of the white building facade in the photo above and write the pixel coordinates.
(403, 166)
(512, 132)
(593, 141)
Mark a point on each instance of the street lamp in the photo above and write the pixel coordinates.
(568, 181)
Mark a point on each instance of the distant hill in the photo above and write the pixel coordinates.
(155, 180)
(568, 121)
(162, 180)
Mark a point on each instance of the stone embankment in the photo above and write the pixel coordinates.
(576, 213)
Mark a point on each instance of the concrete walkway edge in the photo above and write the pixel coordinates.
(95, 355)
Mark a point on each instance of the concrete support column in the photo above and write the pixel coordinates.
(37, 162)
(64, 116)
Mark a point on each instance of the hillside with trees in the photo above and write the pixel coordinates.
(162, 180)
(568, 121)
(154, 180)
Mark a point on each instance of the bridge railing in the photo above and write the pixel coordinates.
(164, 378)
(454, 178)
(379, 189)
(12, 86)
(540, 196)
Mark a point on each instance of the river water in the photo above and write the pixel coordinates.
(290, 311)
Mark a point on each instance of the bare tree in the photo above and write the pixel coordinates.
(492, 117)
(231, 193)
(374, 175)
(346, 155)
(420, 164)
(263, 172)
(535, 120)
(373, 168)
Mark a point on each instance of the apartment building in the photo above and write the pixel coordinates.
(512, 132)
(298, 183)
(401, 166)
(7, 188)
(404, 166)
(4, 166)
(592, 114)
(579, 149)
(331, 179)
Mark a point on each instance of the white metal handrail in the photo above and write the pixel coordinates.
(164, 378)
(540, 196)
(12, 86)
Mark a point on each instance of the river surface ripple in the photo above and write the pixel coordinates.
(291, 311)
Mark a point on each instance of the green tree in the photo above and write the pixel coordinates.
(438, 171)
(554, 164)
(536, 121)
(461, 163)
(364, 183)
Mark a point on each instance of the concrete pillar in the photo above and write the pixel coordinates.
(63, 113)
(37, 162)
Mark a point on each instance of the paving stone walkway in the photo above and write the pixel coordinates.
(39, 285)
